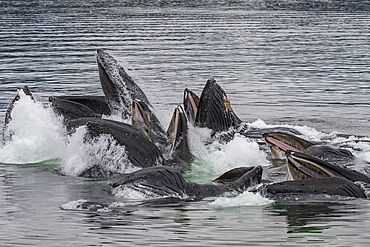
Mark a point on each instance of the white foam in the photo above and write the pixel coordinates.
(245, 199)
(129, 193)
(364, 156)
(309, 132)
(102, 150)
(37, 134)
(117, 205)
(237, 153)
(73, 162)
(83, 205)
(74, 205)
(197, 138)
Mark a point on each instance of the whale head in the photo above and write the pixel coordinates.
(214, 111)
(118, 87)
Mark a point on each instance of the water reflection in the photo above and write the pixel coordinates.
(6, 195)
(314, 217)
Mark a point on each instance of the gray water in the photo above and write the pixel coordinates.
(299, 63)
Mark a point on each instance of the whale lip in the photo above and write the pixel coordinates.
(305, 166)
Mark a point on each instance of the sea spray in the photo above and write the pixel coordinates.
(245, 199)
(198, 139)
(37, 134)
(83, 153)
(239, 152)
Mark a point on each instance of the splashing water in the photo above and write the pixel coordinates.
(102, 150)
(245, 199)
(238, 152)
(37, 134)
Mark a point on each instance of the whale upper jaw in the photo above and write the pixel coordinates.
(118, 87)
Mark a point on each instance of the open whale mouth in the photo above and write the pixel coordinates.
(118, 87)
(278, 143)
(306, 166)
(140, 118)
(177, 130)
(303, 166)
(191, 104)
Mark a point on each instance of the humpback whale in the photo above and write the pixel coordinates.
(317, 169)
(213, 110)
(122, 96)
(177, 132)
(278, 143)
(119, 90)
(127, 99)
(174, 143)
(191, 103)
(161, 181)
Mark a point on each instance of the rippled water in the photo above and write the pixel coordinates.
(284, 62)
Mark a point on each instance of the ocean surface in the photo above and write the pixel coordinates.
(296, 63)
